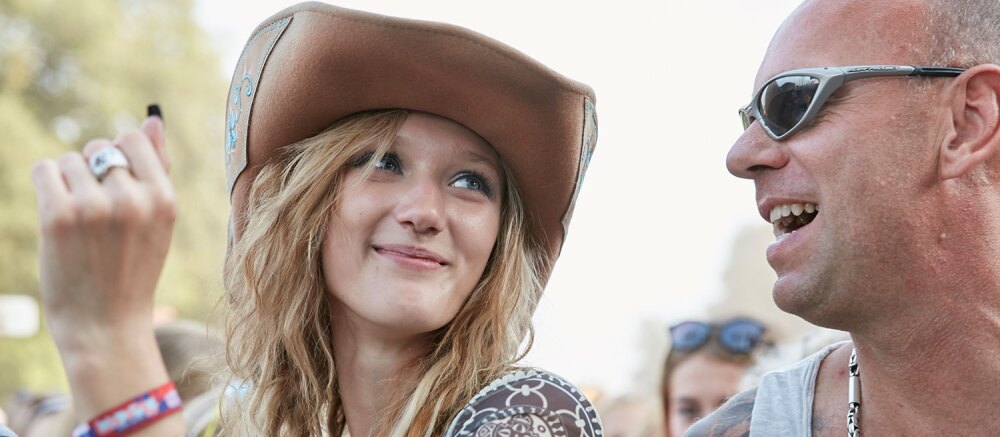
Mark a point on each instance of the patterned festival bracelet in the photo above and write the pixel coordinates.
(131, 416)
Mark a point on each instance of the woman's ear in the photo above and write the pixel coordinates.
(973, 132)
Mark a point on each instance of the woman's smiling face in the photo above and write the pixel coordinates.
(408, 242)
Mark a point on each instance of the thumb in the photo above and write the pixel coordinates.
(153, 128)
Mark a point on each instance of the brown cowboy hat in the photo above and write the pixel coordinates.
(312, 64)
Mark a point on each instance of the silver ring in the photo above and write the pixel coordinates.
(106, 159)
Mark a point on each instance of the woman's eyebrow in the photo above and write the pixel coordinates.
(479, 158)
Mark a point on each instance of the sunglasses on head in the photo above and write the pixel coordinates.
(739, 336)
(789, 101)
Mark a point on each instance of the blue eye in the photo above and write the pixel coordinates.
(389, 162)
(473, 181)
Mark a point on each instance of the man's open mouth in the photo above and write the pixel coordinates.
(791, 217)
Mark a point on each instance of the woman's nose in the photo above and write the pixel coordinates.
(421, 207)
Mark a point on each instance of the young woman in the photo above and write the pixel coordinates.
(400, 191)
(704, 367)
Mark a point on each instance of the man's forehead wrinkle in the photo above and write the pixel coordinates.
(823, 33)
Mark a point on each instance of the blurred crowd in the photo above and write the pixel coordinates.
(700, 365)
(192, 352)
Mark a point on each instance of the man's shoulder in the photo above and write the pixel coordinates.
(786, 399)
(730, 420)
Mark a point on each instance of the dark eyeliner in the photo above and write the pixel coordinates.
(366, 158)
(487, 187)
(396, 162)
(363, 159)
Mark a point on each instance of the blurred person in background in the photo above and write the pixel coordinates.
(39, 414)
(341, 315)
(631, 416)
(192, 354)
(705, 366)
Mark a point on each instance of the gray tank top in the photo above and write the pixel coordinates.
(783, 405)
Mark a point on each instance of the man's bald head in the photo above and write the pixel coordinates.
(964, 32)
(960, 33)
(824, 33)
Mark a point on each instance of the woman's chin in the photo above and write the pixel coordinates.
(406, 321)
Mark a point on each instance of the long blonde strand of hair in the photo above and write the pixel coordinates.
(279, 346)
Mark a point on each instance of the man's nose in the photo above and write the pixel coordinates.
(753, 152)
(422, 208)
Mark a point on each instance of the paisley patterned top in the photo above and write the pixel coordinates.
(527, 403)
(523, 403)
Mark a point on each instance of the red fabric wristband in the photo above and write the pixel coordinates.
(133, 415)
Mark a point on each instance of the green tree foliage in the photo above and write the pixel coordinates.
(75, 70)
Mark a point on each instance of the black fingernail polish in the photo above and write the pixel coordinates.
(153, 110)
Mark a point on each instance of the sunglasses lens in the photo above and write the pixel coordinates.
(741, 336)
(689, 335)
(784, 102)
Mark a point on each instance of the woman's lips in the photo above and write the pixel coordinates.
(411, 257)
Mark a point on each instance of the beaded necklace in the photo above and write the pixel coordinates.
(853, 396)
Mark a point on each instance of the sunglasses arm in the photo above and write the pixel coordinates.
(937, 71)
(864, 71)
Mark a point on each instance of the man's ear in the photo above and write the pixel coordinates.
(972, 135)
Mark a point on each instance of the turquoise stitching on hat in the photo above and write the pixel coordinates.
(587, 145)
(590, 141)
(234, 115)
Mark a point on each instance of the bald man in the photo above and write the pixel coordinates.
(872, 140)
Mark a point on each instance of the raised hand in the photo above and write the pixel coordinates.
(103, 245)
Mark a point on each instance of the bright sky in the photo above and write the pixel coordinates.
(656, 217)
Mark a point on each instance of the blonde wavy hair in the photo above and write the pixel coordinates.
(279, 340)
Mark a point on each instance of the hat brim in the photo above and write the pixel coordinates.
(313, 64)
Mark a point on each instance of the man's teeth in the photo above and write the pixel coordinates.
(792, 209)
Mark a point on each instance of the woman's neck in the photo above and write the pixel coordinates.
(373, 371)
